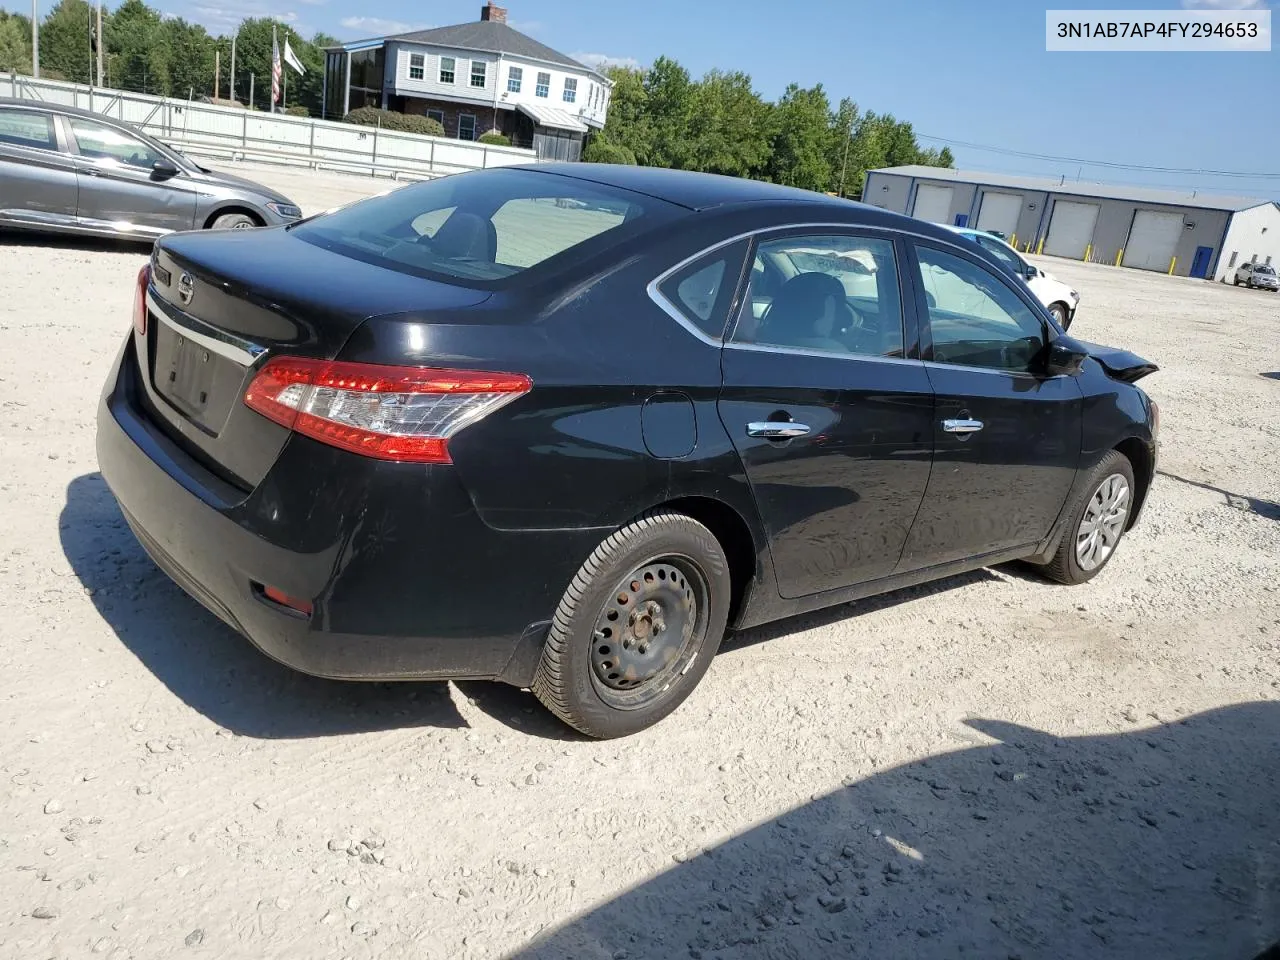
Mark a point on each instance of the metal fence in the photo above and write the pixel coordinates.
(240, 134)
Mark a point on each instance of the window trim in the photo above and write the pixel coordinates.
(421, 67)
(474, 126)
(736, 290)
(515, 79)
(924, 328)
(453, 70)
(484, 74)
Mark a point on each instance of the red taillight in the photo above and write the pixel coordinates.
(386, 412)
(140, 300)
(276, 595)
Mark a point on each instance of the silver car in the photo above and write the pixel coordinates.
(71, 171)
(1260, 275)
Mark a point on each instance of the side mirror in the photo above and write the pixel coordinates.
(1065, 358)
(1032, 271)
(163, 169)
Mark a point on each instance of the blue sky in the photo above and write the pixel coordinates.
(968, 70)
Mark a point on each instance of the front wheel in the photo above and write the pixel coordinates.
(1059, 314)
(1098, 522)
(637, 628)
(235, 221)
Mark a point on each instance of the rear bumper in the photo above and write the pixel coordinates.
(406, 580)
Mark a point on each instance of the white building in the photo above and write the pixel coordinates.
(473, 78)
(1184, 232)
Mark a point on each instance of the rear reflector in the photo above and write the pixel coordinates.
(275, 595)
(140, 300)
(385, 412)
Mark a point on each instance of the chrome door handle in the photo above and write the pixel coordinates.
(777, 429)
(962, 426)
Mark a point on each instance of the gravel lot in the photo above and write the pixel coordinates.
(991, 766)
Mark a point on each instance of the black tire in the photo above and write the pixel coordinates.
(1059, 314)
(661, 560)
(1066, 567)
(234, 221)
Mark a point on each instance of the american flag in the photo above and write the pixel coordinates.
(275, 70)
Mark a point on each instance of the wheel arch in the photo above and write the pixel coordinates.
(733, 532)
(232, 207)
(1138, 453)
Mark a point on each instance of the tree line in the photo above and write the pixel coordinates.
(148, 52)
(662, 117)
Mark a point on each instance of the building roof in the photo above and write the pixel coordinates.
(1082, 188)
(482, 36)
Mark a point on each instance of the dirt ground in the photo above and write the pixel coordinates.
(990, 766)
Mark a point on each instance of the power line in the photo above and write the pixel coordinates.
(1145, 168)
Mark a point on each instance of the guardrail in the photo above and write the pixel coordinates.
(240, 134)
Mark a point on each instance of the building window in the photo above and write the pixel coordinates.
(447, 67)
(515, 77)
(466, 126)
(437, 116)
(417, 66)
(543, 89)
(1232, 262)
(570, 90)
(477, 73)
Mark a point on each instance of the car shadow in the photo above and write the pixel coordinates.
(208, 665)
(1271, 375)
(1263, 508)
(58, 241)
(1162, 842)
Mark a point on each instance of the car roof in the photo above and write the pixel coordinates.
(61, 108)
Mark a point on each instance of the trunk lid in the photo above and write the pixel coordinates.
(220, 303)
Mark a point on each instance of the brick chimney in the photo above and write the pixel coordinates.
(493, 12)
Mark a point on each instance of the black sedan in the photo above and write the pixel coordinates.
(563, 426)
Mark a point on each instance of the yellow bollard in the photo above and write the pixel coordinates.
(1040, 249)
(1087, 251)
(1172, 263)
(1118, 252)
(1120, 258)
(1013, 241)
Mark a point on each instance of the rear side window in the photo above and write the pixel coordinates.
(703, 291)
(485, 228)
(25, 128)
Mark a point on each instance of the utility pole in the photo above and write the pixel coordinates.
(217, 72)
(35, 40)
(251, 91)
(101, 42)
(233, 66)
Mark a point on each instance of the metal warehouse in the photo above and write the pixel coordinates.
(1190, 234)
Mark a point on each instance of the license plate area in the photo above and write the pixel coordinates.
(199, 383)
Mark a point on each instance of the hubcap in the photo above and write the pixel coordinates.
(1103, 522)
(644, 631)
(242, 225)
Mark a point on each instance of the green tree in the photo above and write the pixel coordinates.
(138, 49)
(669, 103)
(15, 43)
(253, 55)
(731, 127)
(844, 123)
(64, 41)
(628, 124)
(801, 154)
(190, 57)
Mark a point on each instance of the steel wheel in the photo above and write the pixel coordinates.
(648, 630)
(1103, 522)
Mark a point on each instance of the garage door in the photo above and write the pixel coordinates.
(1000, 212)
(932, 203)
(1152, 240)
(1071, 229)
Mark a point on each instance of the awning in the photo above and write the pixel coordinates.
(552, 117)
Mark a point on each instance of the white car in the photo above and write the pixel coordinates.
(1260, 275)
(1058, 298)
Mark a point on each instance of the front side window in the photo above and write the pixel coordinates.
(543, 89)
(703, 291)
(829, 293)
(478, 68)
(975, 319)
(484, 228)
(447, 68)
(417, 66)
(99, 142)
(1004, 255)
(515, 79)
(466, 126)
(570, 90)
(26, 128)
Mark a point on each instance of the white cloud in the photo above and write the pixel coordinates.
(602, 61)
(226, 15)
(1224, 4)
(380, 27)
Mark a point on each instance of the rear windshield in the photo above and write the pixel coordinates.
(487, 227)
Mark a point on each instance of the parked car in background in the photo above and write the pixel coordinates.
(1260, 275)
(466, 430)
(70, 171)
(1058, 298)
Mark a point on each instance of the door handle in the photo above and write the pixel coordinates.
(777, 429)
(962, 426)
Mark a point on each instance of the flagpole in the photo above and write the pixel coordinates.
(35, 40)
(274, 54)
(233, 66)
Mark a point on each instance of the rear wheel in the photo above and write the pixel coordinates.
(1236, 281)
(235, 221)
(1097, 524)
(637, 628)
